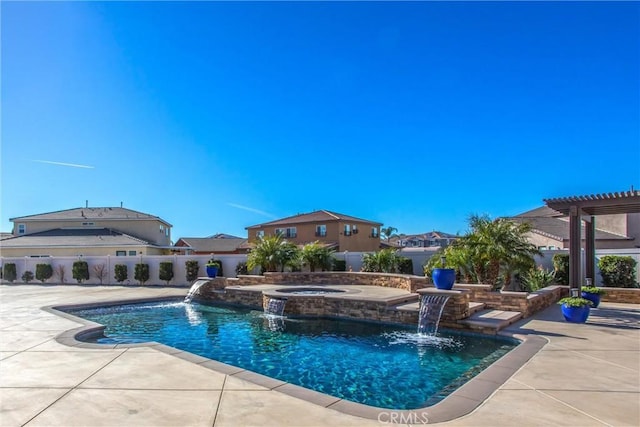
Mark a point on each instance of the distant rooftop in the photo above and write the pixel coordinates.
(78, 237)
(108, 213)
(317, 216)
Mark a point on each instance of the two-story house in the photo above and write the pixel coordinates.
(88, 231)
(338, 231)
(437, 239)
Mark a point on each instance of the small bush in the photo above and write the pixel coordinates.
(80, 271)
(166, 271)
(561, 267)
(241, 268)
(121, 273)
(618, 271)
(537, 278)
(192, 268)
(27, 276)
(61, 272)
(339, 265)
(141, 273)
(44, 272)
(9, 272)
(575, 302)
(405, 265)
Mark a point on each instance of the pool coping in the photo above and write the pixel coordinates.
(459, 403)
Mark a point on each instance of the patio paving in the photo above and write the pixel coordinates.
(586, 375)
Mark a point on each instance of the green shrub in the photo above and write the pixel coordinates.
(537, 278)
(593, 290)
(575, 302)
(561, 267)
(141, 273)
(166, 271)
(80, 271)
(383, 261)
(192, 268)
(405, 265)
(339, 265)
(9, 272)
(241, 268)
(27, 276)
(44, 272)
(618, 271)
(121, 273)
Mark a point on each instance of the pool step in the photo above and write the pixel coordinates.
(475, 307)
(491, 320)
(403, 300)
(409, 306)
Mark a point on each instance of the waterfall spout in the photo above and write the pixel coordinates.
(431, 307)
(274, 306)
(194, 289)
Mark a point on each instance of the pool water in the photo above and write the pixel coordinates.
(379, 365)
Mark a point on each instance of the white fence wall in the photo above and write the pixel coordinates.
(229, 263)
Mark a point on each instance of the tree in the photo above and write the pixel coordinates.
(316, 255)
(493, 251)
(9, 272)
(383, 261)
(388, 232)
(272, 253)
(27, 276)
(166, 271)
(100, 271)
(141, 273)
(121, 273)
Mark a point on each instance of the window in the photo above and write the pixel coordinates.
(321, 230)
(166, 231)
(287, 232)
(133, 253)
(121, 253)
(374, 231)
(347, 230)
(22, 228)
(161, 229)
(260, 234)
(88, 224)
(354, 228)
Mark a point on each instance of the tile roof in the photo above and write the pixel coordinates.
(316, 216)
(96, 213)
(84, 237)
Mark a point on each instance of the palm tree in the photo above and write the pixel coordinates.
(493, 251)
(317, 256)
(388, 232)
(272, 252)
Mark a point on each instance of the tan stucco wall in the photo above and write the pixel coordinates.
(540, 240)
(616, 224)
(306, 233)
(146, 229)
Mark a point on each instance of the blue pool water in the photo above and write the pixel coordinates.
(378, 365)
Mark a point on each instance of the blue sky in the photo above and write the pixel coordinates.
(216, 116)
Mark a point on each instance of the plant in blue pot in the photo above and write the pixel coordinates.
(575, 309)
(212, 267)
(443, 278)
(592, 293)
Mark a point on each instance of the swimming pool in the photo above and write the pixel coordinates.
(378, 365)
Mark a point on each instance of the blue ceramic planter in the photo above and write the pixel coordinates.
(575, 314)
(212, 271)
(444, 278)
(594, 298)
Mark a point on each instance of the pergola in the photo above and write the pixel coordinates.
(586, 208)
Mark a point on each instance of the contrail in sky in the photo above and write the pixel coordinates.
(73, 165)
(251, 210)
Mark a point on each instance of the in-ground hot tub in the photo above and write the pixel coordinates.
(309, 290)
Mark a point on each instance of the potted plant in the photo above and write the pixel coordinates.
(575, 309)
(443, 278)
(212, 267)
(592, 293)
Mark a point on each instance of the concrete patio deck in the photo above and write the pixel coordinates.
(586, 375)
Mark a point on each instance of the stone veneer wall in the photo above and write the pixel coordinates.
(400, 281)
(621, 295)
(527, 303)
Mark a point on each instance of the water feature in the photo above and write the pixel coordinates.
(275, 306)
(369, 363)
(431, 307)
(194, 289)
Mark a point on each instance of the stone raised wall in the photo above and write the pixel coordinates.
(346, 278)
(621, 295)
